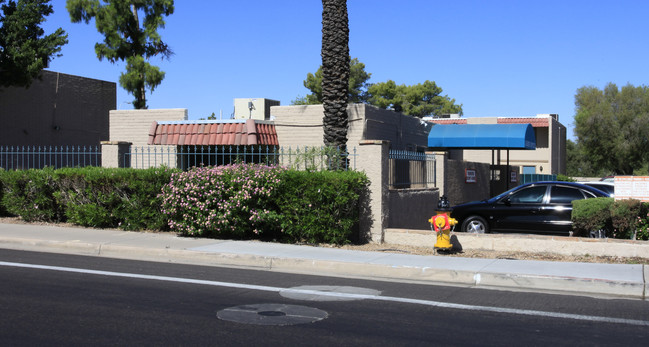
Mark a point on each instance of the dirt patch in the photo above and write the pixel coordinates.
(471, 253)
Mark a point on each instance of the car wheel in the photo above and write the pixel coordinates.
(475, 225)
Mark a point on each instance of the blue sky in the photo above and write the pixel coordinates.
(496, 57)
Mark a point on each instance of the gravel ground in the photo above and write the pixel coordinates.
(419, 250)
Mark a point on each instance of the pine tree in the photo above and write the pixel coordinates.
(126, 38)
(24, 49)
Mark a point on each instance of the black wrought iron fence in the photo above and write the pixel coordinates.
(409, 169)
(185, 157)
(38, 157)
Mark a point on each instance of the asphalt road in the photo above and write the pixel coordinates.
(49, 299)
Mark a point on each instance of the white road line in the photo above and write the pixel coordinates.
(335, 294)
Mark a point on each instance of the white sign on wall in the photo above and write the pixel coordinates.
(632, 187)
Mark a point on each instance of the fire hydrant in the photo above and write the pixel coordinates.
(441, 223)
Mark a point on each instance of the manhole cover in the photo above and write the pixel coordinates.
(272, 314)
(327, 293)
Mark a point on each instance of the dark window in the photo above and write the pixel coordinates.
(603, 187)
(564, 195)
(531, 195)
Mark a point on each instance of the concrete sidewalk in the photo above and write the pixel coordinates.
(570, 278)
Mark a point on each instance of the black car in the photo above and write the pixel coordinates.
(539, 207)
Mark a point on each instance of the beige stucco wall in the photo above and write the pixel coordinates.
(373, 160)
(299, 126)
(133, 126)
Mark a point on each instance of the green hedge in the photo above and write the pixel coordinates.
(623, 219)
(320, 206)
(241, 201)
(591, 215)
(93, 197)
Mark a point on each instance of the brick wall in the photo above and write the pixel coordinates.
(57, 110)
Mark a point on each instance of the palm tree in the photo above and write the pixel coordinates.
(335, 75)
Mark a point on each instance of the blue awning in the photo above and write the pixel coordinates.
(482, 136)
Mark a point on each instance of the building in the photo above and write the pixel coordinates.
(549, 157)
(57, 110)
(302, 126)
(258, 108)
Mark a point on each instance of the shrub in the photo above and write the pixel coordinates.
(92, 196)
(642, 226)
(124, 198)
(225, 201)
(624, 217)
(564, 178)
(320, 206)
(591, 215)
(30, 195)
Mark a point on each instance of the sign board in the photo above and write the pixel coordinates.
(470, 176)
(632, 187)
(513, 177)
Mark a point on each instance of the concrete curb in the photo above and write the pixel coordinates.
(480, 273)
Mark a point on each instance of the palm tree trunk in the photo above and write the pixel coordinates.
(335, 74)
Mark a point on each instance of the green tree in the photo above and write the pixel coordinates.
(335, 73)
(210, 117)
(25, 50)
(423, 99)
(419, 100)
(128, 39)
(577, 165)
(612, 126)
(357, 85)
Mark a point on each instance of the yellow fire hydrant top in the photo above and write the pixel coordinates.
(441, 224)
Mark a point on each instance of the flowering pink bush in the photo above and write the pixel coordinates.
(233, 200)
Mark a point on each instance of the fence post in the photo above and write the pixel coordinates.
(113, 153)
(373, 160)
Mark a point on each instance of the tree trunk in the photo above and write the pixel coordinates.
(335, 75)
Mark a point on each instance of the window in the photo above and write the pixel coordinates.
(531, 195)
(529, 170)
(564, 195)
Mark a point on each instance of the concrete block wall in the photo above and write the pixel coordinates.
(411, 208)
(57, 110)
(452, 183)
(134, 125)
(403, 132)
(299, 126)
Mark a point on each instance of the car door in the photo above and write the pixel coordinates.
(558, 211)
(519, 211)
